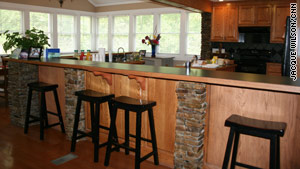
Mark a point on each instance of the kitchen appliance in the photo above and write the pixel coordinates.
(252, 60)
(254, 35)
(286, 55)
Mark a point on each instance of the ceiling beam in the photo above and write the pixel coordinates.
(191, 5)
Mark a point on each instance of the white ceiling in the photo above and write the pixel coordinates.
(114, 2)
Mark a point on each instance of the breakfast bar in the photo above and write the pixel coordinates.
(192, 106)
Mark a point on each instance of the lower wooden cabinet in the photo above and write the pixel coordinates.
(274, 69)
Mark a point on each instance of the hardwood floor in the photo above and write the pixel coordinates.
(20, 151)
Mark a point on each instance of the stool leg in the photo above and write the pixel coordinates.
(278, 153)
(92, 113)
(235, 149)
(96, 134)
(45, 115)
(111, 134)
(126, 131)
(153, 136)
(115, 139)
(28, 111)
(42, 113)
(273, 154)
(228, 149)
(138, 140)
(75, 128)
(59, 112)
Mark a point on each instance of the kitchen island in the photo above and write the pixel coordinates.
(192, 106)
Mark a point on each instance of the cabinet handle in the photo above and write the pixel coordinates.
(106, 76)
(140, 80)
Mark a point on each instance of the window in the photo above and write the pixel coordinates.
(41, 21)
(143, 27)
(170, 33)
(9, 20)
(121, 33)
(86, 33)
(66, 33)
(102, 37)
(194, 34)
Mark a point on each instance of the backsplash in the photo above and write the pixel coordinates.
(232, 49)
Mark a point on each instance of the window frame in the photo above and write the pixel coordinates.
(98, 33)
(91, 31)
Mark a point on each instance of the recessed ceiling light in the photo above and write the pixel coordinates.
(220, 0)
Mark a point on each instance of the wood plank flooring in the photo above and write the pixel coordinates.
(20, 151)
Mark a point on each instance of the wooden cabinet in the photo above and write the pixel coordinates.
(224, 23)
(280, 12)
(255, 15)
(274, 69)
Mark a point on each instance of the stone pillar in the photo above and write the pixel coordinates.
(19, 75)
(74, 81)
(190, 122)
(206, 29)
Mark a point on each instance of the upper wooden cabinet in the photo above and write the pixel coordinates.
(224, 23)
(280, 12)
(255, 15)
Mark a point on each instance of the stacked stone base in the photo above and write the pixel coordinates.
(190, 122)
(19, 75)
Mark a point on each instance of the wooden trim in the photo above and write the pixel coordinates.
(106, 76)
(140, 80)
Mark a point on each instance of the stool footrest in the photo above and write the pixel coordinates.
(146, 156)
(144, 139)
(83, 134)
(246, 166)
(34, 120)
(123, 146)
(54, 114)
(103, 127)
(52, 125)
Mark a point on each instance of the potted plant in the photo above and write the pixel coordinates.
(153, 41)
(32, 38)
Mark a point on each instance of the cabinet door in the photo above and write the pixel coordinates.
(279, 23)
(246, 15)
(263, 15)
(217, 28)
(231, 26)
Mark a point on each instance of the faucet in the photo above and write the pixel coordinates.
(124, 59)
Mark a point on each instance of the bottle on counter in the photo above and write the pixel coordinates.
(82, 55)
(88, 55)
(76, 55)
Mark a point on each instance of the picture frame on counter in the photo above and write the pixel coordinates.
(142, 53)
(35, 52)
(24, 54)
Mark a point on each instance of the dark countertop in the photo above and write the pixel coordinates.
(243, 80)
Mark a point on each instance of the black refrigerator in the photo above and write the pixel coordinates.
(286, 55)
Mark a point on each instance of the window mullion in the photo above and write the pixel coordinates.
(183, 34)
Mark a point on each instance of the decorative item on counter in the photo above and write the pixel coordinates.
(32, 37)
(76, 55)
(52, 52)
(35, 53)
(88, 55)
(214, 60)
(220, 61)
(110, 57)
(82, 55)
(153, 41)
(101, 55)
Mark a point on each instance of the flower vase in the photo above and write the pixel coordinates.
(153, 51)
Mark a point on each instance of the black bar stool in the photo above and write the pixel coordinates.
(95, 99)
(253, 127)
(43, 88)
(138, 106)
